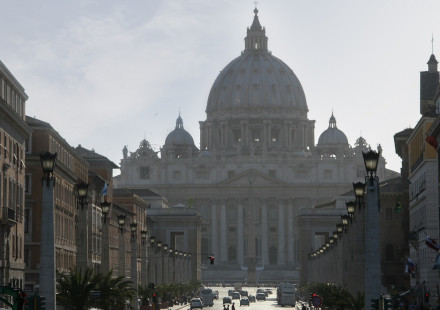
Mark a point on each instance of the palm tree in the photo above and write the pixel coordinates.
(74, 288)
(114, 291)
(353, 303)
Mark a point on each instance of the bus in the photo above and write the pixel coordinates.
(286, 295)
(207, 297)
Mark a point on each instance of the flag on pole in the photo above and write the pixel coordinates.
(437, 262)
(409, 268)
(432, 244)
(398, 207)
(104, 189)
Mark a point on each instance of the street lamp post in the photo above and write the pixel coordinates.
(372, 231)
(82, 256)
(153, 273)
(144, 259)
(170, 265)
(121, 223)
(105, 252)
(47, 247)
(134, 271)
(165, 263)
(158, 255)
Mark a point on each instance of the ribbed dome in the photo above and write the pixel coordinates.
(179, 136)
(332, 136)
(256, 79)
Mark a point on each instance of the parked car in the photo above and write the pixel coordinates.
(227, 300)
(251, 298)
(244, 301)
(236, 295)
(261, 296)
(195, 303)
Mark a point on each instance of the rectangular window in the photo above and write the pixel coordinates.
(231, 229)
(273, 229)
(144, 173)
(26, 220)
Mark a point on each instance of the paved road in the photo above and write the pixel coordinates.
(259, 305)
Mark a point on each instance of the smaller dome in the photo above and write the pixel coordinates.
(332, 136)
(205, 153)
(179, 136)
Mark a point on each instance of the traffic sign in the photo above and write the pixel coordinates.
(316, 301)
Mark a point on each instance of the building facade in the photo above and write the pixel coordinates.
(257, 167)
(70, 169)
(14, 132)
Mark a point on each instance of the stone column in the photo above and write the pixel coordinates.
(144, 264)
(223, 233)
(134, 271)
(121, 268)
(290, 234)
(281, 235)
(47, 248)
(82, 257)
(240, 233)
(372, 249)
(214, 229)
(264, 240)
(105, 252)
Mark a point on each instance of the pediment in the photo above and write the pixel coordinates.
(252, 176)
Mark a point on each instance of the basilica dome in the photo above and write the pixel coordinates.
(179, 136)
(332, 136)
(256, 80)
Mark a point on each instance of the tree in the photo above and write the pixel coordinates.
(114, 291)
(75, 290)
(75, 287)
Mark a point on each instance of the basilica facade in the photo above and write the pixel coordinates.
(256, 169)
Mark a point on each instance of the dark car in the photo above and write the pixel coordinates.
(244, 301)
(243, 293)
(230, 292)
(227, 300)
(236, 295)
(261, 296)
(251, 298)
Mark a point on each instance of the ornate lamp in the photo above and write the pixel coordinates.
(48, 164)
(152, 241)
(371, 159)
(121, 222)
(351, 206)
(133, 229)
(82, 189)
(105, 207)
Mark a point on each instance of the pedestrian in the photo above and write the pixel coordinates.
(233, 306)
(224, 307)
(227, 308)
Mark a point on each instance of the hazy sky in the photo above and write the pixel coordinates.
(108, 73)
